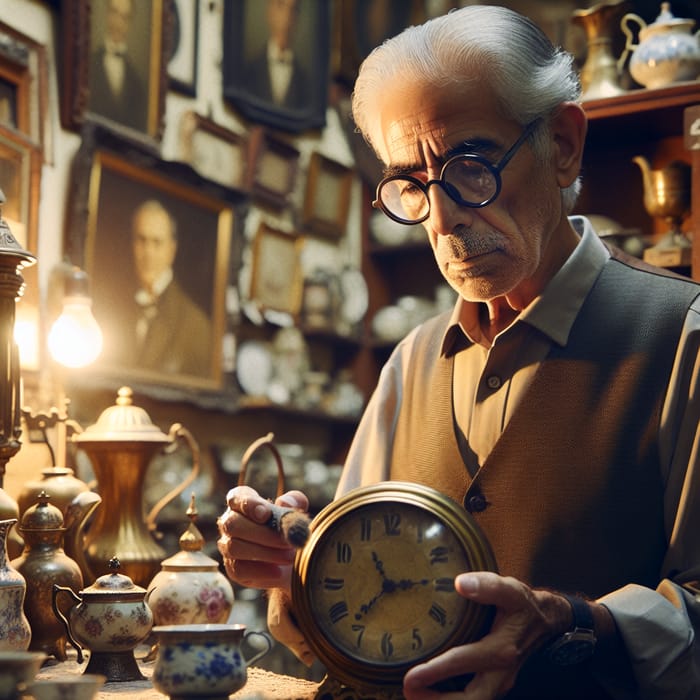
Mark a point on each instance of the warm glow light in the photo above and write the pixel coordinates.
(75, 339)
(27, 339)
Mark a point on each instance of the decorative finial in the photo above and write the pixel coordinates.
(192, 539)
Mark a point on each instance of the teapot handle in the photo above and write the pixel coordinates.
(630, 44)
(265, 441)
(261, 653)
(65, 589)
(177, 430)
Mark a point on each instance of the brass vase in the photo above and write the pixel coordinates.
(600, 75)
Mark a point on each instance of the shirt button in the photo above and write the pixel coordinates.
(493, 382)
(476, 504)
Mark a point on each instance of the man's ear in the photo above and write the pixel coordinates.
(568, 127)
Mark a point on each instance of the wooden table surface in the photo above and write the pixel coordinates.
(261, 684)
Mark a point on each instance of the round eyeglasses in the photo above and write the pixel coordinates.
(469, 179)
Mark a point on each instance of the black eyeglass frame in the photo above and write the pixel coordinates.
(494, 168)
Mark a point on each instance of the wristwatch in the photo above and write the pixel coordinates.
(577, 645)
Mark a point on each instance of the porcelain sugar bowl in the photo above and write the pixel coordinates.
(203, 661)
(110, 618)
(190, 588)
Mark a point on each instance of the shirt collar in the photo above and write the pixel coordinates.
(277, 55)
(555, 310)
(145, 298)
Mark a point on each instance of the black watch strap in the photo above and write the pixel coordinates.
(583, 617)
(578, 644)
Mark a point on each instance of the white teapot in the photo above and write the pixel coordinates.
(667, 51)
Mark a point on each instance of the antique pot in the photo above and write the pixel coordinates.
(667, 52)
(110, 618)
(15, 631)
(44, 563)
(189, 588)
(121, 446)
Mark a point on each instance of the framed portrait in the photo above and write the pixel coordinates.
(327, 196)
(276, 281)
(286, 86)
(273, 167)
(214, 151)
(158, 247)
(23, 86)
(364, 24)
(184, 47)
(115, 57)
(20, 179)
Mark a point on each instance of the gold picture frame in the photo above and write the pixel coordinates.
(327, 196)
(24, 87)
(20, 180)
(114, 180)
(276, 282)
(138, 108)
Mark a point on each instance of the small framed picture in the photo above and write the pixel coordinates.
(158, 247)
(115, 58)
(20, 178)
(276, 63)
(274, 165)
(184, 47)
(215, 152)
(327, 196)
(24, 86)
(276, 281)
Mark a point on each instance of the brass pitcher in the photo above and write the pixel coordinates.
(667, 196)
(600, 74)
(121, 446)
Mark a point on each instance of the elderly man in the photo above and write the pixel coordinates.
(557, 402)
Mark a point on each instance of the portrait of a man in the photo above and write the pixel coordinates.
(276, 60)
(119, 61)
(157, 277)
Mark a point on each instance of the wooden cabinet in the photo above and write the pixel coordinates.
(650, 123)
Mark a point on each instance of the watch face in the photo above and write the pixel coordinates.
(375, 583)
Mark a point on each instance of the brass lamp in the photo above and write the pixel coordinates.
(13, 259)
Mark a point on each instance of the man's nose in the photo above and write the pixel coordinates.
(445, 213)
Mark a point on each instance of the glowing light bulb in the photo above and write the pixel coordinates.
(75, 339)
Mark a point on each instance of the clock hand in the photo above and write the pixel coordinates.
(379, 565)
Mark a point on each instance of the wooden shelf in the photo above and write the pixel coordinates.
(639, 122)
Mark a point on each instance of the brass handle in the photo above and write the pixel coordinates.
(265, 441)
(177, 431)
(65, 589)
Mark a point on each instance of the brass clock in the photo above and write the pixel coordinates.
(373, 588)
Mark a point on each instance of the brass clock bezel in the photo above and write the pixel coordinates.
(340, 665)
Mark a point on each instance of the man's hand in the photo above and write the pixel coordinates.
(255, 555)
(525, 621)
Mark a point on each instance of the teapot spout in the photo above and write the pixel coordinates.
(77, 515)
(645, 167)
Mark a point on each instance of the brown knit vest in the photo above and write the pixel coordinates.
(574, 493)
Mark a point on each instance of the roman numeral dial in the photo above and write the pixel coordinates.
(374, 586)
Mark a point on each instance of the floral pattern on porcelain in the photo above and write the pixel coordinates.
(202, 601)
(202, 660)
(15, 631)
(111, 627)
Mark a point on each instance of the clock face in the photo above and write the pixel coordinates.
(374, 586)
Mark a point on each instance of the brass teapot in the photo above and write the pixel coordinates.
(44, 562)
(121, 446)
